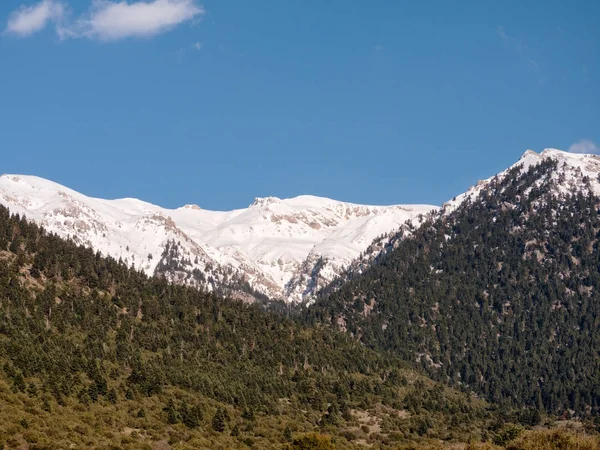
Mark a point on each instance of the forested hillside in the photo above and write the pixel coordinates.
(97, 355)
(500, 296)
(94, 354)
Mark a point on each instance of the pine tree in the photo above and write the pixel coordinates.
(191, 416)
(172, 414)
(218, 421)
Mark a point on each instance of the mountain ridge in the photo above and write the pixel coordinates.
(498, 294)
(271, 246)
(572, 164)
(575, 172)
(284, 249)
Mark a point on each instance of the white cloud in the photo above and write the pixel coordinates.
(110, 21)
(584, 146)
(197, 46)
(502, 34)
(29, 19)
(522, 50)
(107, 20)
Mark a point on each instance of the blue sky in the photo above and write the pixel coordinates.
(218, 102)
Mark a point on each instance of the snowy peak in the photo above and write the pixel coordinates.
(528, 154)
(264, 202)
(574, 159)
(574, 172)
(192, 207)
(282, 248)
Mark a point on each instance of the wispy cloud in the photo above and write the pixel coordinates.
(584, 146)
(28, 20)
(180, 55)
(109, 20)
(502, 34)
(523, 50)
(197, 46)
(532, 64)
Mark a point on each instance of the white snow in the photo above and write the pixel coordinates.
(275, 244)
(571, 171)
(268, 242)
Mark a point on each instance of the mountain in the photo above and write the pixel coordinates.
(496, 296)
(575, 173)
(498, 292)
(94, 354)
(282, 249)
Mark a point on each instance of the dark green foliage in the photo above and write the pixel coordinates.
(191, 416)
(91, 328)
(32, 390)
(112, 396)
(311, 442)
(248, 414)
(173, 416)
(287, 434)
(219, 420)
(19, 382)
(87, 330)
(500, 296)
(529, 417)
(507, 434)
(331, 417)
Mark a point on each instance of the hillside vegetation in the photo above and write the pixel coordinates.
(94, 354)
(499, 296)
(97, 355)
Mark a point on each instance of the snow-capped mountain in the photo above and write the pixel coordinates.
(285, 249)
(575, 172)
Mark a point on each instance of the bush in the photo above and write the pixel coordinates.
(507, 434)
(554, 440)
(312, 442)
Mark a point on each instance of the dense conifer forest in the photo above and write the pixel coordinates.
(499, 297)
(94, 354)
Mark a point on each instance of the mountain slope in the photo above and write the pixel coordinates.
(96, 355)
(284, 249)
(498, 292)
(575, 173)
